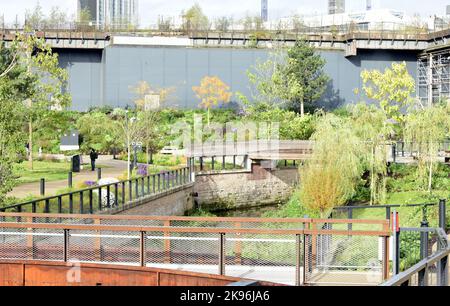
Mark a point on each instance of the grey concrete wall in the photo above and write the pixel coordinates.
(105, 77)
(245, 189)
(175, 202)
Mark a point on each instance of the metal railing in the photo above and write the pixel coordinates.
(348, 212)
(263, 249)
(431, 270)
(343, 29)
(105, 197)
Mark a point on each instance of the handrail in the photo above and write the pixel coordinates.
(384, 206)
(206, 219)
(185, 170)
(422, 265)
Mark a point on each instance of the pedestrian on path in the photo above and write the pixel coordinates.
(94, 156)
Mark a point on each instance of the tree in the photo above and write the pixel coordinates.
(149, 128)
(212, 91)
(56, 19)
(164, 24)
(263, 78)
(15, 84)
(99, 132)
(223, 24)
(195, 19)
(252, 23)
(427, 128)
(371, 125)
(46, 84)
(296, 77)
(392, 89)
(84, 19)
(35, 19)
(302, 76)
(330, 177)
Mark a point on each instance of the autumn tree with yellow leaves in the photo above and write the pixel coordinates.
(212, 91)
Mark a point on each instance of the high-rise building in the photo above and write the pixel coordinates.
(264, 10)
(372, 5)
(110, 13)
(336, 7)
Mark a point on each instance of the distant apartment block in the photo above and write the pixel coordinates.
(336, 7)
(110, 13)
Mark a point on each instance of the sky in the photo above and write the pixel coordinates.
(151, 9)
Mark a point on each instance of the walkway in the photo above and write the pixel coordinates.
(110, 168)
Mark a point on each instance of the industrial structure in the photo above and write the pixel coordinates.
(107, 14)
(336, 7)
(433, 76)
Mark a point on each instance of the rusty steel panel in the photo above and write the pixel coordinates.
(34, 273)
(42, 275)
(189, 280)
(11, 274)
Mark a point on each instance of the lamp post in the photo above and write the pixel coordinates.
(127, 131)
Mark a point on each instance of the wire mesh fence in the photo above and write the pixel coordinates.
(343, 259)
(266, 250)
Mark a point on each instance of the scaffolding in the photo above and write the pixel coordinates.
(433, 77)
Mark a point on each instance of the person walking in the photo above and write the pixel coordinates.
(94, 156)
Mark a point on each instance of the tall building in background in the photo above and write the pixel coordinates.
(336, 7)
(111, 13)
(264, 10)
(372, 5)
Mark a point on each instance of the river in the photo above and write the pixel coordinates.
(252, 212)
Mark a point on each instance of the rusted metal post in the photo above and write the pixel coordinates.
(222, 254)
(66, 245)
(385, 267)
(30, 240)
(167, 252)
(298, 263)
(98, 243)
(238, 246)
(142, 258)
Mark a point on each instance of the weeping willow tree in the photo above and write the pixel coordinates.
(427, 128)
(373, 129)
(330, 177)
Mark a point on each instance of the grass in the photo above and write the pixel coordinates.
(50, 170)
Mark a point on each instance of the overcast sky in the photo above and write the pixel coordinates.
(151, 9)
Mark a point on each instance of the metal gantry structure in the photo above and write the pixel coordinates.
(433, 76)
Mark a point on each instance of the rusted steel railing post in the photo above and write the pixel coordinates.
(385, 268)
(238, 246)
(30, 240)
(298, 260)
(167, 252)
(98, 243)
(142, 258)
(222, 254)
(66, 245)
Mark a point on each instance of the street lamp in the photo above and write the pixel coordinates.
(127, 131)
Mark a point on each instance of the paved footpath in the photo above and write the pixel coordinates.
(110, 168)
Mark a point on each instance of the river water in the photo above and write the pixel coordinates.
(253, 212)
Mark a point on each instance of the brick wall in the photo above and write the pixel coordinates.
(171, 203)
(245, 188)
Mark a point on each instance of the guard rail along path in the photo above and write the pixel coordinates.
(108, 198)
(284, 251)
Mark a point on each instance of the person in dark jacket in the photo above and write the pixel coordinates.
(94, 156)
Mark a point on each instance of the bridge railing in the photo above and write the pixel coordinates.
(276, 250)
(105, 197)
(432, 270)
